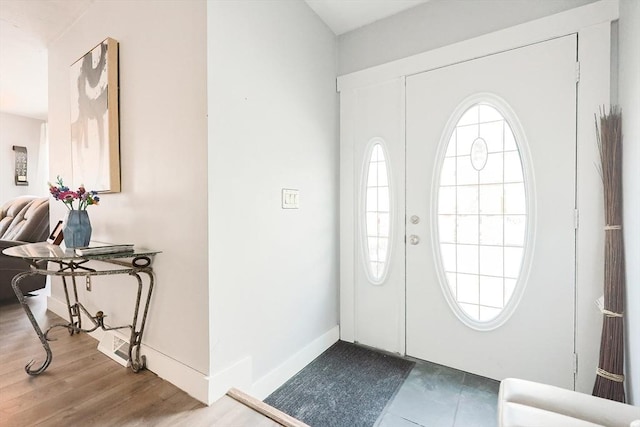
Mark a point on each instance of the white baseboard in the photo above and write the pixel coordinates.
(193, 382)
(239, 375)
(281, 374)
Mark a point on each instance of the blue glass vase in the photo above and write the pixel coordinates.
(77, 231)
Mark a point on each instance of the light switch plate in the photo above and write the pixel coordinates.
(290, 198)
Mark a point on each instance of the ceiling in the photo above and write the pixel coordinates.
(28, 26)
(343, 16)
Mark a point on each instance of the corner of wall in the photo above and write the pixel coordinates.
(282, 373)
(239, 375)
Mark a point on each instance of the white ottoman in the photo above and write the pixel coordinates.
(528, 404)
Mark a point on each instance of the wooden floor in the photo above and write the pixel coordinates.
(83, 387)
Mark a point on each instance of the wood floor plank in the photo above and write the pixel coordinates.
(83, 387)
(100, 401)
(16, 396)
(148, 404)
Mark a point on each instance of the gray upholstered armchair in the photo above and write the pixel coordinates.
(23, 220)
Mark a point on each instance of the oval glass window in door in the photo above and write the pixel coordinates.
(482, 215)
(377, 211)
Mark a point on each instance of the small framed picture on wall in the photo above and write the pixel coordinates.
(20, 177)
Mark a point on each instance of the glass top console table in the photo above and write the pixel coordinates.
(70, 265)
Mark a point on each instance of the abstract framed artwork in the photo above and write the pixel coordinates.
(95, 129)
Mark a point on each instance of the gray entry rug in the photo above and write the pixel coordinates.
(347, 385)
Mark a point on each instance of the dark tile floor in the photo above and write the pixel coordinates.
(438, 396)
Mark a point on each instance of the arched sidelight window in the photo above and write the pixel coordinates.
(377, 211)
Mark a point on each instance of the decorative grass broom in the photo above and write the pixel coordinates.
(609, 379)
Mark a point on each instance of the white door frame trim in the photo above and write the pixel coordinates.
(558, 25)
(592, 24)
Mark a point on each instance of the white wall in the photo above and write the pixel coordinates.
(629, 98)
(25, 132)
(163, 146)
(272, 125)
(435, 24)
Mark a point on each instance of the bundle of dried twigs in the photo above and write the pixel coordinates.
(609, 378)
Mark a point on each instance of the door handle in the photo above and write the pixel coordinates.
(414, 240)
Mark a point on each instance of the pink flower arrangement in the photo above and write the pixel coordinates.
(85, 198)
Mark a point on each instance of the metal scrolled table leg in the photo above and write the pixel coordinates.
(75, 319)
(15, 284)
(139, 362)
(69, 308)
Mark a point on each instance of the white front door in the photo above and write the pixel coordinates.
(490, 202)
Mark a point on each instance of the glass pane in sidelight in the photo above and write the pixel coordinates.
(383, 199)
(376, 215)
